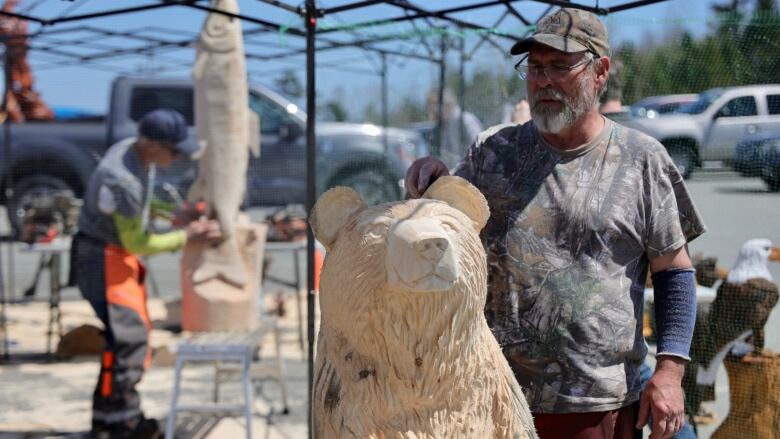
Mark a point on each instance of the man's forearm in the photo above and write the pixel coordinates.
(671, 365)
(137, 241)
(675, 310)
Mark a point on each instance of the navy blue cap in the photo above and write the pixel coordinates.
(169, 126)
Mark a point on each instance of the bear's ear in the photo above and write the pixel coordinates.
(463, 196)
(332, 211)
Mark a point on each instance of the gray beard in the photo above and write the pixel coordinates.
(553, 121)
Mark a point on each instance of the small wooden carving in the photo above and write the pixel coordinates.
(754, 411)
(739, 313)
(404, 349)
(216, 305)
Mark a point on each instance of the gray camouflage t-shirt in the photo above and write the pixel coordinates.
(568, 244)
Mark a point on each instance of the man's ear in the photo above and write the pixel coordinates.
(331, 213)
(463, 196)
(603, 71)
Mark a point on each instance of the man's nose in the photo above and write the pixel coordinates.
(542, 80)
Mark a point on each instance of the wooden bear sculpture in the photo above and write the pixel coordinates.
(404, 349)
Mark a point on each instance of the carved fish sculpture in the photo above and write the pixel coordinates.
(227, 130)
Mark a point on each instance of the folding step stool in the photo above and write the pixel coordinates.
(234, 348)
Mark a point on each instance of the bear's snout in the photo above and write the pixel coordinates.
(431, 249)
(420, 256)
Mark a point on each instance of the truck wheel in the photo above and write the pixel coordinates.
(772, 185)
(683, 157)
(26, 190)
(372, 186)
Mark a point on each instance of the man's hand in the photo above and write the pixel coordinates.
(189, 212)
(204, 231)
(421, 174)
(663, 398)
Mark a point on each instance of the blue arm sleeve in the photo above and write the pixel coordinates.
(674, 292)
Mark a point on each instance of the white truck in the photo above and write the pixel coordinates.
(711, 127)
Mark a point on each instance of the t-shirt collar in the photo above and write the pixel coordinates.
(582, 149)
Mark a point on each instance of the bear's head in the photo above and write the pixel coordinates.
(413, 270)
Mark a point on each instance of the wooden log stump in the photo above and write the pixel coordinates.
(754, 394)
(216, 305)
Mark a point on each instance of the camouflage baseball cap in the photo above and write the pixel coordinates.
(568, 30)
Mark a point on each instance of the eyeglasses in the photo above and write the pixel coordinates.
(554, 72)
(171, 148)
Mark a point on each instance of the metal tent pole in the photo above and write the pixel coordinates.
(384, 103)
(462, 134)
(3, 322)
(438, 147)
(9, 181)
(9, 177)
(311, 191)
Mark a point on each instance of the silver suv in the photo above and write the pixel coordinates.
(711, 127)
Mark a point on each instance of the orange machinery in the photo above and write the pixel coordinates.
(21, 103)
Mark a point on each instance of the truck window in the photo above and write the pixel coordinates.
(703, 102)
(739, 107)
(272, 115)
(773, 102)
(145, 99)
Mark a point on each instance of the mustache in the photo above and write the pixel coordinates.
(547, 93)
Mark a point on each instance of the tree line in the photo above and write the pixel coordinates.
(741, 47)
(740, 50)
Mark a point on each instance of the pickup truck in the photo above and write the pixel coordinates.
(60, 155)
(711, 127)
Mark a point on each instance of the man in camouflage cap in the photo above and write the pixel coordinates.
(581, 208)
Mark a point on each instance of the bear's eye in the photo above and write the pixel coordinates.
(377, 230)
(449, 227)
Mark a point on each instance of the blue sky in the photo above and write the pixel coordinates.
(88, 87)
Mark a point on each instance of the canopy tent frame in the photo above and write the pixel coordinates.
(316, 40)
